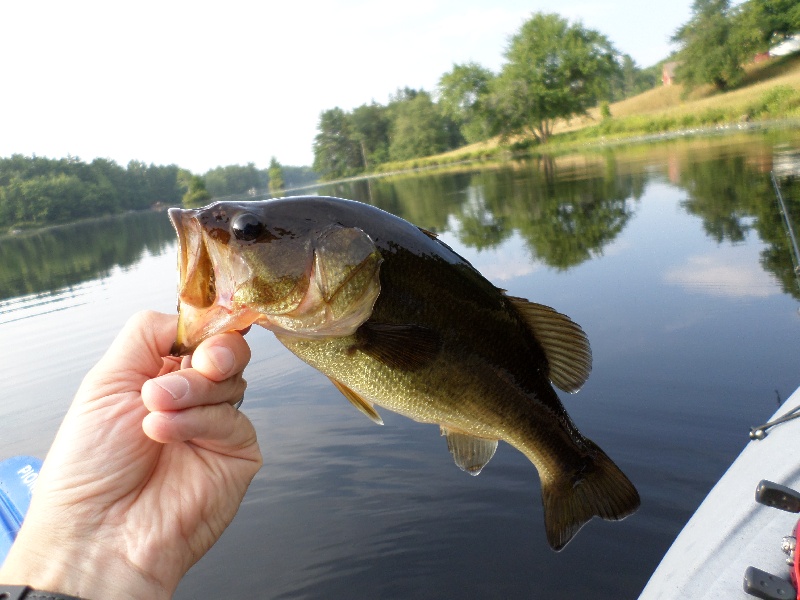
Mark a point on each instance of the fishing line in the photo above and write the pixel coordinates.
(786, 220)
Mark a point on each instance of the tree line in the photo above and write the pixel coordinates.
(37, 190)
(720, 38)
(554, 69)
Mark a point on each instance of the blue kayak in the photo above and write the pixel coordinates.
(18, 475)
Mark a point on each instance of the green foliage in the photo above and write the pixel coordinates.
(234, 180)
(709, 52)
(38, 191)
(276, 183)
(631, 80)
(418, 128)
(777, 101)
(554, 70)
(370, 124)
(337, 152)
(462, 97)
(761, 23)
(410, 126)
(298, 176)
(196, 194)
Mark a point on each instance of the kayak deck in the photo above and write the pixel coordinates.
(730, 531)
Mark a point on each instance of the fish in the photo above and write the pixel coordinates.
(396, 319)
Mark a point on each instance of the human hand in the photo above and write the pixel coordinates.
(147, 469)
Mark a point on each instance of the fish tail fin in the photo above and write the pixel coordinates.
(598, 488)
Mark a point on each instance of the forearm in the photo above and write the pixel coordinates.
(86, 570)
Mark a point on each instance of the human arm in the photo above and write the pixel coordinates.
(140, 482)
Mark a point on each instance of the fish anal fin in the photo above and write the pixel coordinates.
(470, 453)
(599, 489)
(565, 344)
(358, 401)
(403, 347)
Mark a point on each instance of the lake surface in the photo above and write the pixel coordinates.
(674, 258)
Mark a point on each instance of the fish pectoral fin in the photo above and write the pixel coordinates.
(470, 453)
(565, 344)
(358, 401)
(403, 347)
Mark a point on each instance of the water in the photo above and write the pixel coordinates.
(675, 260)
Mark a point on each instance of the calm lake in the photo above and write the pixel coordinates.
(674, 258)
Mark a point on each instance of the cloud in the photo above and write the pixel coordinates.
(731, 273)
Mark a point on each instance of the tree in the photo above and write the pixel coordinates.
(462, 97)
(370, 125)
(162, 184)
(708, 49)
(275, 175)
(761, 23)
(418, 128)
(234, 180)
(337, 152)
(136, 189)
(554, 70)
(196, 193)
(632, 80)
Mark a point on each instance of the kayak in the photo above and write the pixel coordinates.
(731, 532)
(18, 476)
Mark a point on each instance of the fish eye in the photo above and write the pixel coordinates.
(246, 227)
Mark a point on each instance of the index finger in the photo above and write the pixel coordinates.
(221, 356)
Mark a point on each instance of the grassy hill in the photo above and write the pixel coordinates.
(770, 90)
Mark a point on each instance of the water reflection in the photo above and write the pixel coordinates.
(566, 209)
(50, 259)
(569, 209)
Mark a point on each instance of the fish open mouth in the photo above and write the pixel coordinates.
(197, 286)
(205, 303)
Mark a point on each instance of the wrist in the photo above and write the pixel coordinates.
(82, 570)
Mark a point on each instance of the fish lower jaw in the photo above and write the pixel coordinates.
(198, 324)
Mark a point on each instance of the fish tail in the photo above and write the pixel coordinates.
(597, 488)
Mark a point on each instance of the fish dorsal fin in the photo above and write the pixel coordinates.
(565, 345)
(404, 347)
(359, 402)
(429, 233)
(470, 453)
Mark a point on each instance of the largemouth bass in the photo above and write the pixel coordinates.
(395, 318)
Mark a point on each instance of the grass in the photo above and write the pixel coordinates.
(769, 91)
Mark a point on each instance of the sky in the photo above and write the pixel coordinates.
(205, 84)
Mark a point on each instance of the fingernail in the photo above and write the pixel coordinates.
(175, 385)
(222, 358)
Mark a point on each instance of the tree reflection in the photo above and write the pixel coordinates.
(567, 210)
(50, 259)
(733, 195)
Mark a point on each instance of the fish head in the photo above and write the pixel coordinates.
(242, 263)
